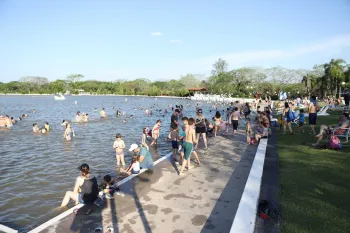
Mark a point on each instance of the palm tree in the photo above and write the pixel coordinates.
(334, 72)
(310, 82)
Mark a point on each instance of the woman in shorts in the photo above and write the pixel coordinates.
(201, 127)
(85, 188)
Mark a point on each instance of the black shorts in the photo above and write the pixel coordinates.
(175, 144)
(312, 118)
(201, 129)
(301, 124)
(234, 124)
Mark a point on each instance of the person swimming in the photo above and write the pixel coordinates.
(85, 117)
(36, 128)
(47, 126)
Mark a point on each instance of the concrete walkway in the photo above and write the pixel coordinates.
(204, 199)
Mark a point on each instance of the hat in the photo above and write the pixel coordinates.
(133, 147)
(83, 166)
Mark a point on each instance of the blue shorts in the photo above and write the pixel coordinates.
(135, 172)
(175, 144)
(80, 198)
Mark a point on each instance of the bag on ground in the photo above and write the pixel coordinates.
(335, 143)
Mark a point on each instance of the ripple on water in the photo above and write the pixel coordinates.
(36, 170)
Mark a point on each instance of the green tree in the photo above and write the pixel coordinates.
(220, 66)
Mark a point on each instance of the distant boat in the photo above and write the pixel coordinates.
(59, 96)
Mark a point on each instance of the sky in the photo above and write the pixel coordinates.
(110, 40)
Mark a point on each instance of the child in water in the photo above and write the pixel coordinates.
(174, 136)
(156, 132)
(144, 136)
(68, 132)
(47, 126)
(119, 145)
(36, 128)
(134, 167)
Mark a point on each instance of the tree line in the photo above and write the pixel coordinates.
(323, 80)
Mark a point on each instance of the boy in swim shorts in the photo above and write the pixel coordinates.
(189, 140)
(174, 136)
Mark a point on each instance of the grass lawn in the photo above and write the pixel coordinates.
(315, 184)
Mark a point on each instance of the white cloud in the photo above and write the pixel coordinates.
(317, 51)
(256, 58)
(175, 41)
(156, 34)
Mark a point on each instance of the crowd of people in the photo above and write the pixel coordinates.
(184, 135)
(294, 111)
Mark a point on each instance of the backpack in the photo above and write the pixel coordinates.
(335, 143)
(291, 116)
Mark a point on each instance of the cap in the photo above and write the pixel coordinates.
(133, 147)
(84, 165)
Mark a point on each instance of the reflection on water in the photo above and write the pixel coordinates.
(37, 169)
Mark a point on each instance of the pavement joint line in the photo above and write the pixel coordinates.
(70, 211)
(245, 219)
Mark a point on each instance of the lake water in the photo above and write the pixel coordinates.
(37, 169)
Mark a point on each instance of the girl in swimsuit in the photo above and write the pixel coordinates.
(155, 132)
(68, 132)
(217, 122)
(119, 145)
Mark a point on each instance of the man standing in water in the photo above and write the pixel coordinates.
(190, 138)
(313, 106)
(103, 113)
(174, 119)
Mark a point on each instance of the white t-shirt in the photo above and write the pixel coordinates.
(136, 166)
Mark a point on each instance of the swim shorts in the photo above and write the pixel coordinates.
(201, 130)
(312, 118)
(187, 149)
(234, 124)
(175, 144)
(135, 172)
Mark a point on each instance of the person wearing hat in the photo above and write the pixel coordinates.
(145, 158)
(85, 188)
